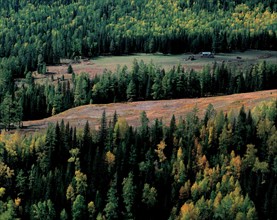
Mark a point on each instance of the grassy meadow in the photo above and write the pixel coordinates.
(97, 65)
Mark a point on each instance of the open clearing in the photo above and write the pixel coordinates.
(98, 65)
(154, 109)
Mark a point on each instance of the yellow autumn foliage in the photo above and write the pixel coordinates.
(17, 201)
(110, 158)
(161, 146)
(189, 212)
(2, 191)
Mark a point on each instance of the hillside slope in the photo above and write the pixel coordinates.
(154, 109)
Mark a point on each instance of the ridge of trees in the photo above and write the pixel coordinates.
(221, 166)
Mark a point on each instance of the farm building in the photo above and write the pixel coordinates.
(207, 54)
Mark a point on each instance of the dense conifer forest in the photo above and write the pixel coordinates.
(221, 166)
(35, 32)
(216, 167)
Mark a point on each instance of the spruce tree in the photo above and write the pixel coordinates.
(79, 208)
(131, 91)
(111, 208)
(69, 69)
(128, 194)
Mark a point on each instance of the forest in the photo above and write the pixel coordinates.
(39, 32)
(220, 166)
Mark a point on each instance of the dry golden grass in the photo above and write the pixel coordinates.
(163, 109)
(98, 65)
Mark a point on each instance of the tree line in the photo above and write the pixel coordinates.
(36, 32)
(219, 166)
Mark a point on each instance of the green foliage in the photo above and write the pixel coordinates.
(189, 169)
(7, 210)
(63, 215)
(43, 210)
(69, 69)
(21, 183)
(157, 86)
(81, 182)
(142, 82)
(41, 66)
(91, 210)
(81, 90)
(120, 129)
(131, 90)
(11, 112)
(149, 195)
(249, 157)
(58, 102)
(260, 166)
(111, 208)
(78, 208)
(129, 195)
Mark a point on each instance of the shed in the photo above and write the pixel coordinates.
(207, 54)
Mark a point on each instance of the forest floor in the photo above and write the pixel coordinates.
(162, 109)
(97, 65)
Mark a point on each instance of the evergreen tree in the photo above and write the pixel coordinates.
(49, 161)
(240, 131)
(157, 86)
(58, 104)
(225, 140)
(149, 195)
(128, 194)
(21, 183)
(131, 91)
(63, 215)
(8, 210)
(41, 66)
(210, 114)
(43, 210)
(69, 69)
(91, 210)
(11, 112)
(103, 129)
(79, 208)
(86, 151)
(111, 208)
(144, 129)
(81, 90)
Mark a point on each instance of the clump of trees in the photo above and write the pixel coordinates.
(220, 166)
